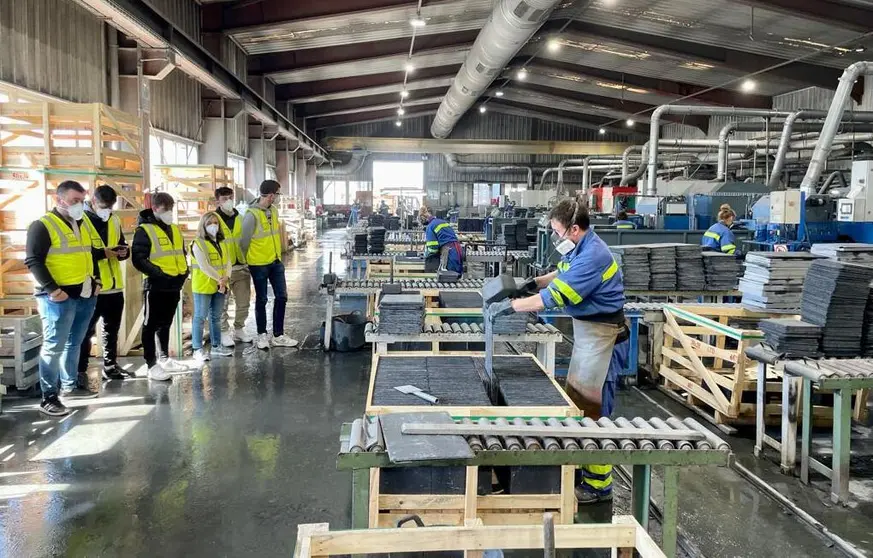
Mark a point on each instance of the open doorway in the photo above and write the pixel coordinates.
(400, 184)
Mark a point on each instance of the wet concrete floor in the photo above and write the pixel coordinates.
(227, 459)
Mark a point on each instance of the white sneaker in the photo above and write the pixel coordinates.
(158, 374)
(171, 365)
(243, 336)
(200, 355)
(284, 341)
(222, 352)
(263, 341)
(227, 339)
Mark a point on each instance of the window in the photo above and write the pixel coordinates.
(170, 151)
(335, 192)
(396, 178)
(481, 194)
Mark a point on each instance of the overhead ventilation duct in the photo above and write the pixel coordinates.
(452, 161)
(353, 166)
(511, 25)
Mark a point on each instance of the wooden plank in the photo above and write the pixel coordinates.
(374, 498)
(598, 433)
(689, 386)
(456, 502)
(698, 365)
(303, 548)
(471, 484)
(480, 412)
(568, 494)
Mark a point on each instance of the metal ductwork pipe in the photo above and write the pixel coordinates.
(832, 123)
(655, 129)
(511, 25)
(353, 166)
(456, 166)
(602, 160)
(554, 170)
(836, 175)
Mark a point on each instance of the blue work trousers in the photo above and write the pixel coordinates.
(64, 325)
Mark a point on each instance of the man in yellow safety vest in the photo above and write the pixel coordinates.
(261, 242)
(110, 249)
(158, 251)
(240, 284)
(59, 256)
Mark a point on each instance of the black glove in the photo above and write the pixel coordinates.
(529, 287)
(502, 308)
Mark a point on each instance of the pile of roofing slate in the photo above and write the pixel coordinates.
(690, 273)
(471, 225)
(403, 313)
(722, 271)
(520, 235)
(835, 297)
(849, 253)
(515, 323)
(508, 236)
(774, 281)
(662, 260)
(793, 338)
(377, 240)
(634, 264)
(360, 243)
(867, 331)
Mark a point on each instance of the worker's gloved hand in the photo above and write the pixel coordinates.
(502, 308)
(529, 287)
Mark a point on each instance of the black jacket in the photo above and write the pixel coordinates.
(102, 228)
(36, 251)
(153, 278)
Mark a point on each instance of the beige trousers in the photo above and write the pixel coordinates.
(240, 289)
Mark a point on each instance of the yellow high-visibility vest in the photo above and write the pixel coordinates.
(266, 245)
(69, 258)
(166, 253)
(200, 282)
(108, 269)
(231, 238)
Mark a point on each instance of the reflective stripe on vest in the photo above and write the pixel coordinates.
(713, 235)
(266, 245)
(200, 282)
(69, 258)
(231, 239)
(165, 253)
(108, 269)
(566, 291)
(563, 266)
(440, 227)
(624, 226)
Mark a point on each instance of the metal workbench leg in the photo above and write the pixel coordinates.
(634, 355)
(642, 490)
(842, 445)
(360, 498)
(760, 402)
(806, 432)
(670, 513)
(546, 355)
(790, 392)
(328, 322)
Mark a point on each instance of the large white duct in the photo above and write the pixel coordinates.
(452, 161)
(353, 166)
(511, 25)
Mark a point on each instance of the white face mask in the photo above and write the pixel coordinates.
(166, 217)
(227, 206)
(212, 230)
(76, 211)
(103, 213)
(562, 244)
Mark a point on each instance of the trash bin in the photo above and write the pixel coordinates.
(347, 332)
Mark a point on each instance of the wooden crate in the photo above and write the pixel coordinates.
(704, 364)
(378, 270)
(624, 536)
(193, 187)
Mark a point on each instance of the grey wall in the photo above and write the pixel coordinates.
(176, 105)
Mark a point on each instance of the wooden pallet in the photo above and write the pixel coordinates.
(624, 536)
(193, 187)
(704, 365)
(377, 270)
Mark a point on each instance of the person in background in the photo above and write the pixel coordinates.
(110, 249)
(261, 242)
(158, 251)
(353, 214)
(383, 209)
(719, 237)
(621, 221)
(240, 283)
(58, 255)
(588, 285)
(440, 238)
(454, 214)
(210, 275)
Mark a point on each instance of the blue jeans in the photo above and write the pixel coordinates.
(211, 306)
(64, 325)
(275, 274)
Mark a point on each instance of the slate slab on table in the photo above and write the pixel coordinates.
(794, 338)
(404, 448)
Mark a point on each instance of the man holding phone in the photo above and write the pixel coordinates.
(109, 248)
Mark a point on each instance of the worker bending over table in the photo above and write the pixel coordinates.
(588, 286)
(719, 237)
(440, 238)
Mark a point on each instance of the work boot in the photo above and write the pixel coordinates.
(587, 497)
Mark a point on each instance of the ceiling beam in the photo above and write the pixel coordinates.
(826, 11)
(801, 73)
(387, 131)
(219, 17)
(476, 146)
(551, 117)
(365, 103)
(292, 91)
(376, 108)
(531, 96)
(393, 88)
(345, 119)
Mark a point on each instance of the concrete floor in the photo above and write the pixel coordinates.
(228, 459)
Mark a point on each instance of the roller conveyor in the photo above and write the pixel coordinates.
(370, 286)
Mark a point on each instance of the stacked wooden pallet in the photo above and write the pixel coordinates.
(193, 187)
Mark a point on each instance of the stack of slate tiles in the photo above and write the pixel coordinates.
(867, 331)
(835, 298)
(793, 338)
(376, 220)
(634, 264)
(403, 313)
(521, 382)
(393, 223)
(849, 253)
(663, 267)
(773, 281)
(507, 236)
(690, 274)
(521, 234)
(377, 240)
(360, 243)
(722, 271)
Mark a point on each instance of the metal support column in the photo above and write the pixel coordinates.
(842, 445)
(806, 433)
(360, 498)
(642, 490)
(670, 511)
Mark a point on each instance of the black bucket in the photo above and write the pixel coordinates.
(347, 332)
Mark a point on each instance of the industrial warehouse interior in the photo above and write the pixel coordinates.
(436, 277)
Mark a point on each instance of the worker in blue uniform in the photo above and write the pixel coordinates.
(588, 285)
(353, 213)
(440, 239)
(719, 237)
(621, 221)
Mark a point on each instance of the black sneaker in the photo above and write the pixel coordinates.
(130, 372)
(113, 373)
(53, 407)
(78, 393)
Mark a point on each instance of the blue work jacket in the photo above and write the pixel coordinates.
(719, 238)
(438, 234)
